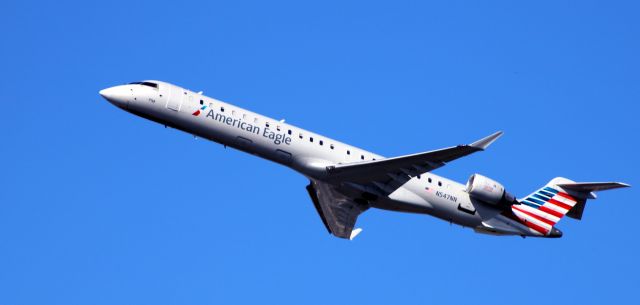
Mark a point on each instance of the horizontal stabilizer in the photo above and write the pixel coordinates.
(592, 186)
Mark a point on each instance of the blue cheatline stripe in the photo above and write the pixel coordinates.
(531, 201)
(546, 193)
(541, 197)
(548, 189)
(525, 202)
(539, 202)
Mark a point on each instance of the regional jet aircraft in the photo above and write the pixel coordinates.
(345, 181)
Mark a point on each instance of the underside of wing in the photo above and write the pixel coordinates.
(338, 212)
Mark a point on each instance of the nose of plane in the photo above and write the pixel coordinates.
(118, 95)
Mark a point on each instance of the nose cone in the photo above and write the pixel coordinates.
(118, 95)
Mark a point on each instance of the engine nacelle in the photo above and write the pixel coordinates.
(484, 189)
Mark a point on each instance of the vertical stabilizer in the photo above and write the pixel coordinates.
(541, 210)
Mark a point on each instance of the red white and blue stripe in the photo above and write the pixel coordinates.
(541, 210)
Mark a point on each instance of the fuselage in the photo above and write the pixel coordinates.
(305, 152)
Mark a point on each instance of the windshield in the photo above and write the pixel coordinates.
(148, 84)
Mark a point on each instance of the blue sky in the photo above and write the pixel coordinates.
(100, 207)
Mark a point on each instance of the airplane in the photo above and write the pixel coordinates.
(345, 181)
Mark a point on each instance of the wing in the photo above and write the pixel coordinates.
(338, 212)
(388, 174)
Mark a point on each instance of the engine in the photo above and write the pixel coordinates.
(484, 189)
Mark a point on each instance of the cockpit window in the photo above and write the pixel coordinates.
(152, 85)
(148, 84)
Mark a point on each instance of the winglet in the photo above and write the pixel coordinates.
(483, 143)
(355, 233)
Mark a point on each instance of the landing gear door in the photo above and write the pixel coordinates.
(174, 102)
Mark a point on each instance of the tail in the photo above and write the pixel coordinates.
(541, 210)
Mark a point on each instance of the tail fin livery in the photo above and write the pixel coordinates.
(541, 210)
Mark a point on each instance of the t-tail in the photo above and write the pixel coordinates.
(541, 210)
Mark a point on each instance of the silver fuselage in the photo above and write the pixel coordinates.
(305, 152)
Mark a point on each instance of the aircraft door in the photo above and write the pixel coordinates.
(164, 94)
(174, 102)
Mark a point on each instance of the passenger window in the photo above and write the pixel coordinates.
(289, 132)
(320, 142)
(311, 139)
(233, 112)
(429, 180)
(439, 183)
(244, 116)
(266, 124)
(201, 102)
(278, 128)
(300, 136)
(331, 146)
(348, 152)
(221, 109)
(361, 157)
(418, 176)
(255, 120)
